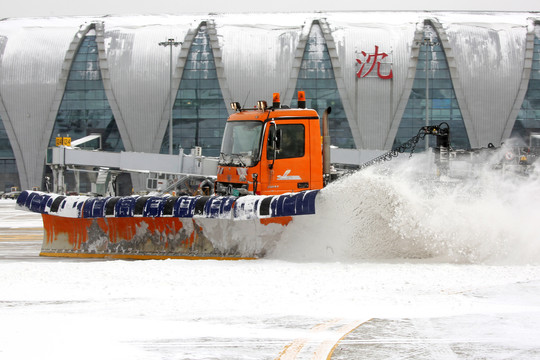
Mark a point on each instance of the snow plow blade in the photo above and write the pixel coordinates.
(160, 227)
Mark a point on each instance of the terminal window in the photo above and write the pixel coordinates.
(199, 111)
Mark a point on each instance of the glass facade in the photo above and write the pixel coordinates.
(442, 103)
(316, 78)
(6, 152)
(528, 119)
(84, 109)
(199, 112)
(9, 175)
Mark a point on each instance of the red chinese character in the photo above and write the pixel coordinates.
(373, 59)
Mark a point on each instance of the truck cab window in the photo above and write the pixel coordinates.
(241, 142)
(292, 142)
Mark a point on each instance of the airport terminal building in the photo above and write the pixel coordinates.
(385, 75)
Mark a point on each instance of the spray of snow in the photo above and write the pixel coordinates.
(394, 211)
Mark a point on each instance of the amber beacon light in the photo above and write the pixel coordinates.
(302, 99)
(275, 101)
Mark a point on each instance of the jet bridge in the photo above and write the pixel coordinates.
(108, 165)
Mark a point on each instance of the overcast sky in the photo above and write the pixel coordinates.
(39, 8)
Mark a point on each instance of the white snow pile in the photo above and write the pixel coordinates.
(389, 211)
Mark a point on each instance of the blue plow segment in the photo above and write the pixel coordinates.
(165, 226)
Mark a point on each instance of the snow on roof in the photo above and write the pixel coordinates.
(258, 54)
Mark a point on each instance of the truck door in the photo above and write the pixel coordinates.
(287, 157)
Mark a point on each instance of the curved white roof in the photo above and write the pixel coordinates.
(256, 55)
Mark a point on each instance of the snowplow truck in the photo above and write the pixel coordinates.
(272, 166)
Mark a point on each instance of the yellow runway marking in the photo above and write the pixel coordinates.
(323, 353)
(291, 351)
(18, 235)
(322, 345)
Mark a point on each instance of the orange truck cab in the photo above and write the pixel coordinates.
(270, 151)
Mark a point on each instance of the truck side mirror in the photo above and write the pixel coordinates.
(274, 141)
(277, 139)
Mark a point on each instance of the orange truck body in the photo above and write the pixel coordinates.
(295, 166)
(275, 152)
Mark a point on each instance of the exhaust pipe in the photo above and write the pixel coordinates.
(326, 143)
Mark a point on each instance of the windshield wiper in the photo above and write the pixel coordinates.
(239, 159)
(225, 159)
(231, 159)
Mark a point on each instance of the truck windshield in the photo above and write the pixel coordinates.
(241, 143)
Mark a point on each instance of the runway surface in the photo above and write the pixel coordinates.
(264, 309)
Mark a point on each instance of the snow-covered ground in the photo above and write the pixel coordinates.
(397, 270)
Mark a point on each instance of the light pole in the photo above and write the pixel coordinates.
(170, 43)
(428, 44)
